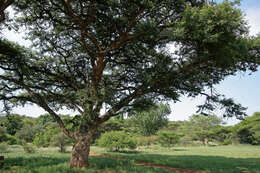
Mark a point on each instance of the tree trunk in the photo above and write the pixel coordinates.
(80, 152)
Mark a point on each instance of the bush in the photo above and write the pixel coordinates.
(226, 142)
(168, 138)
(186, 141)
(3, 134)
(146, 140)
(27, 147)
(3, 147)
(44, 138)
(11, 140)
(116, 140)
(28, 132)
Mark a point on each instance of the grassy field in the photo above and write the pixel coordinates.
(221, 159)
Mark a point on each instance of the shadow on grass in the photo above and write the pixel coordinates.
(34, 161)
(53, 164)
(213, 164)
(128, 152)
(180, 150)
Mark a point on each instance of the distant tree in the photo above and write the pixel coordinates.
(201, 127)
(206, 122)
(13, 123)
(117, 140)
(44, 119)
(168, 138)
(91, 55)
(44, 137)
(223, 133)
(150, 121)
(60, 140)
(248, 130)
(28, 132)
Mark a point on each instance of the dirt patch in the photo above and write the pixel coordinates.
(150, 164)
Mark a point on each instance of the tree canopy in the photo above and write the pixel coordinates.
(89, 55)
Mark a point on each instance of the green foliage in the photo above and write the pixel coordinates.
(3, 134)
(206, 122)
(168, 138)
(28, 132)
(146, 140)
(248, 130)
(44, 119)
(44, 138)
(149, 122)
(28, 148)
(226, 142)
(117, 140)
(11, 140)
(61, 141)
(13, 123)
(223, 133)
(3, 147)
(201, 127)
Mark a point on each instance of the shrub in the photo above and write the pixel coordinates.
(227, 142)
(3, 134)
(146, 140)
(11, 140)
(186, 141)
(3, 147)
(27, 147)
(116, 140)
(28, 132)
(168, 138)
(44, 138)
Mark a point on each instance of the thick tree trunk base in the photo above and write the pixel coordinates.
(80, 153)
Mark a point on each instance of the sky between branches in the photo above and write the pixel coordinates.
(243, 88)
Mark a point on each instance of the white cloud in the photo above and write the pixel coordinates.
(253, 17)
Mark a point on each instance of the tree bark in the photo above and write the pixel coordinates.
(80, 152)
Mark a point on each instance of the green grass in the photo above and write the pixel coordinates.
(220, 159)
(51, 161)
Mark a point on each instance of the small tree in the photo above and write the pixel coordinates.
(149, 122)
(13, 123)
(201, 127)
(248, 130)
(60, 140)
(28, 148)
(44, 137)
(28, 132)
(117, 140)
(168, 138)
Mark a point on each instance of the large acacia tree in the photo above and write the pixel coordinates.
(113, 54)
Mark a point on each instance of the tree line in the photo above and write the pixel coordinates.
(139, 128)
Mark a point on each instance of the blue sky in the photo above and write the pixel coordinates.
(243, 88)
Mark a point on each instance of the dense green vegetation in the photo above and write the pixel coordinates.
(197, 144)
(198, 130)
